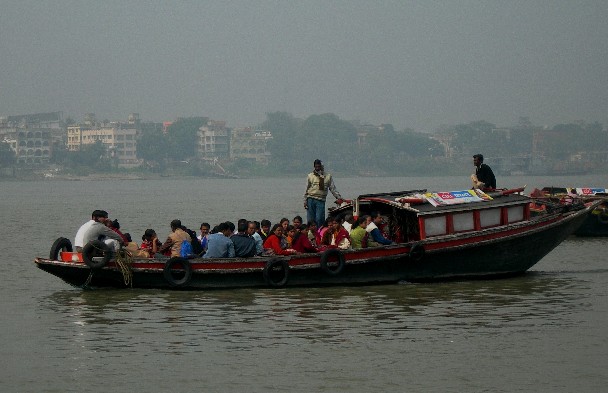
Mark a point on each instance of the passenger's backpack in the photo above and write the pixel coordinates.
(195, 244)
(186, 250)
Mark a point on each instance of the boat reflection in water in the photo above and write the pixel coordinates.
(186, 322)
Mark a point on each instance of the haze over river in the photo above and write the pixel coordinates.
(541, 332)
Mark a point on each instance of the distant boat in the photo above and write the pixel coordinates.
(438, 236)
(596, 224)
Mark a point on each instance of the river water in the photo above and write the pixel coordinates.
(542, 332)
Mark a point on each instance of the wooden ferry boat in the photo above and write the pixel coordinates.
(438, 236)
(596, 224)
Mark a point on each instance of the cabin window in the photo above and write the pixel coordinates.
(516, 213)
(463, 222)
(489, 217)
(435, 226)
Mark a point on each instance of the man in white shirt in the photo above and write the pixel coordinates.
(348, 222)
(259, 243)
(96, 229)
(376, 237)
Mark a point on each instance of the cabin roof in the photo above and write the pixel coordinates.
(425, 208)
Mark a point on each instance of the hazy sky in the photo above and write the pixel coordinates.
(415, 64)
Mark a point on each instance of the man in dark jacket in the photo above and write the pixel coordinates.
(484, 177)
(244, 245)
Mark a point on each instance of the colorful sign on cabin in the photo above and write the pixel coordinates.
(590, 191)
(455, 197)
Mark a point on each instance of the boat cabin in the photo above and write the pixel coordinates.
(410, 217)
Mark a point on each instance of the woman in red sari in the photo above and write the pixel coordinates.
(273, 241)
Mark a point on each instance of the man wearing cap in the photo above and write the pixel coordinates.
(317, 184)
(483, 178)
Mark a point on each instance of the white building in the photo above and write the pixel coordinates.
(213, 140)
(119, 139)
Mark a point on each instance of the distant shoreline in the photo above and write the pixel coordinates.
(140, 177)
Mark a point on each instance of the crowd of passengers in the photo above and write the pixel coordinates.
(246, 239)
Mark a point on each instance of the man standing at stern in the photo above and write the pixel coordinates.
(317, 184)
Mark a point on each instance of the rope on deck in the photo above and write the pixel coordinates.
(124, 260)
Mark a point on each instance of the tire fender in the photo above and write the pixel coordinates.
(168, 272)
(332, 253)
(276, 272)
(417, 252)
(96, 249)
(61, 244)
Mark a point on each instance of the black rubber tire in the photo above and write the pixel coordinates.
(93, 249)
(331, 253)
(61, 244)
(417, 252)
(270, 273)
(187, 268)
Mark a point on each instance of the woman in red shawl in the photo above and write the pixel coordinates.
(335, 236)
(273, 241)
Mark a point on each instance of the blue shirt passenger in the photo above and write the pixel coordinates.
(219, 244)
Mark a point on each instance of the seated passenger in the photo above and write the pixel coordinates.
(115, 226)
(321, 231)
(175, 239)
(291, 233)
(244, 244)
(284, 223)
(220, 245)
(358, 235)
(252, 230)
(131, 245)
(204, 237)
(150, 243)
(335, 236)
(197, 249)
(301, 243)
(348, 222)
(297, 222)
(232, 227)
(313, 233)
(96, 229)
(264, 229)
(376, 237)
(273, 241)
(483, 178)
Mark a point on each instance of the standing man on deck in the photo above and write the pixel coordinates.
(483, 178)
(317, 184)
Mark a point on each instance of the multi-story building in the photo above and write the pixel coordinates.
(32, 136)
(34, 146)
(214, 140)
(248, 144)
(120, 139)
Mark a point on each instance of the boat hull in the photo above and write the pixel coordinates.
(505, 251)
(596, 224)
